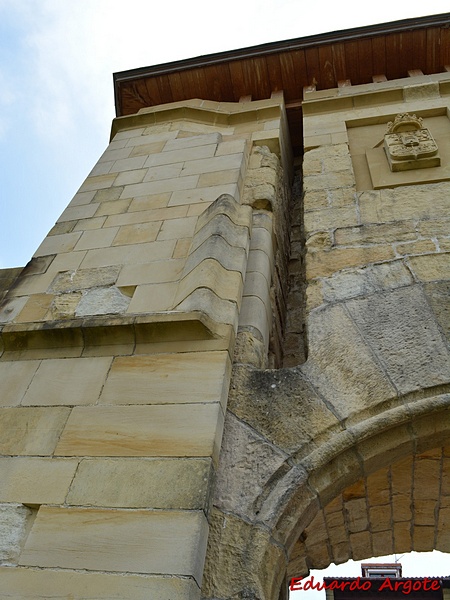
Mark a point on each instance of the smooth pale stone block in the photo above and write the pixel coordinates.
(98, 182)
(158, 187)
(136, 215)
(29, 584)
(163, 483)
(155, 297)
(169, 430)
(15, 377)
(177, 228)
(139, 541)
(132, 254)
(36, 480)
(96, 238)
(111, 154)
(209, 165)
(55, 244)
(67, 381)
(26, 430)
(183, 155)
(128, 164)
(85, 211)
(163, 172)
(160, 271)
(168, 378)
(204, 194)
(150, 137)
(190, 142)
(137, 233)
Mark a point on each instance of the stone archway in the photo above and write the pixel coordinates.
(373, 393)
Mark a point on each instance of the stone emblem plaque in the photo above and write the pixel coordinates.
(410, 145)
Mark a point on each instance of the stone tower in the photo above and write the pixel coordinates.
(229, 362)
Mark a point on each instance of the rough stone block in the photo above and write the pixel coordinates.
(102, 301)
(80, 279)
(410, 344)
(342, 365)
(433, 267)
(68, 381)
(13, 527)
(324, 264)
(111, 540)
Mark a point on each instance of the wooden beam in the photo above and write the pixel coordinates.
(415, 73)
(379, 78)
(245, 98)
(344, 83)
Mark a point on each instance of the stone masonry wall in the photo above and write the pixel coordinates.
(345, 456)
(115, 359)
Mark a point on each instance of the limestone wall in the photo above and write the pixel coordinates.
(345, 456)
(116, 348)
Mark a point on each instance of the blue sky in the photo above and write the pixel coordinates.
(56, 94)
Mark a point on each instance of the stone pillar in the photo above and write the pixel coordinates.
(116, 347)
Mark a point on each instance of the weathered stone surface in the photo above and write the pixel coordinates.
(13, 524)
(325, 263)
(81, 279)
(138, 483)
(409, 344)
(229, 574)
(247, 462)
(378, 233)
(342, 365)
(366, 280)
(102, 301)
(139, 541)
(281, 405)
(29, 584)
(432, 267)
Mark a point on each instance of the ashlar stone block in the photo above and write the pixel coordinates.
(169, 430)
(140, 483)
(31, 430)
(167, 378)
(68, 381)
(21, 583)
(140, 541)
(30, 480)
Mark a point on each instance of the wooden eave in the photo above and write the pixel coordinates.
(353, 56)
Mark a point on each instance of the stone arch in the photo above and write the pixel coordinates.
(374, 391)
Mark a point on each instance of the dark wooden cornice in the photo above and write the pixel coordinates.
(353, 56)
